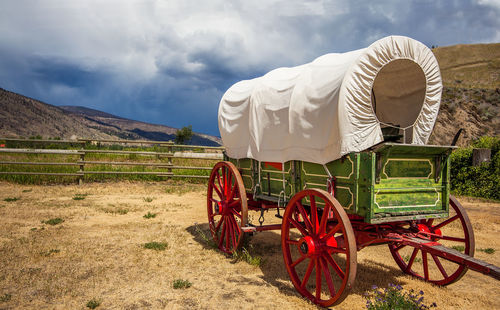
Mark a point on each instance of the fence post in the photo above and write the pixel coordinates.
(171, 151)
(82, 167)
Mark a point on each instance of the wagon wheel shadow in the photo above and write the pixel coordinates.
(267, 245)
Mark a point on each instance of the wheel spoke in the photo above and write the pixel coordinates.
(308, 273)
(223, 232)
(233, 190)
(233, 232)
(233, 211)
(314, 214)
(298, 261)
(412, 258)
(235, 224)
(218, 225)
(399, 247)
(318, 279)
(328, 276)
(440, 267)
(426, 266)
(228, 232)
(306, 220)
(299, 227)
(336, 250)
(335, 266)
(234, 203)
(448, 221)
(218, 192)
(332, 232)
(219, 181)
(324, 218)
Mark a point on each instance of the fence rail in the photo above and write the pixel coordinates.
(85, 166)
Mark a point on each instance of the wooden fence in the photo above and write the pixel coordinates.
(169, 151)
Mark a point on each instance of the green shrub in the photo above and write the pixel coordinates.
(93, 303)
(179, 283)
(482, 181)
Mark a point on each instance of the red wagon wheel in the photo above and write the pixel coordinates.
(316, 234)
(455, 232)
(226, 206)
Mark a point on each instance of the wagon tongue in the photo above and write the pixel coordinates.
(436, 249)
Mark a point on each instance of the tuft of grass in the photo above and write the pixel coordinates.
(406, 258)
(487, 250)
(80, 196)
(157, 246)
(394, 297)
(459, 248)
(148, 199)
(5, 297)
(27, 190)
(149, 215)
(244, 255)
(93, 303)
(53, 221)
(179, 283)
(11, 199)
(49, 252)
(120, 211)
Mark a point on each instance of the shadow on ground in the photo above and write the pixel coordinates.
(268, 246)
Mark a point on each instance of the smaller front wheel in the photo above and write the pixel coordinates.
(226, 206)
(319, 247)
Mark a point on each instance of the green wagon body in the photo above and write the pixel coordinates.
(390, 182)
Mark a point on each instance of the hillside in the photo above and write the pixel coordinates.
(21, 116)
(471, 93)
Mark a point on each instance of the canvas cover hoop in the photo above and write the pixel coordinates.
(335, 105)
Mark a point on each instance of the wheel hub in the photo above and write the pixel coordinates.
(309, 246)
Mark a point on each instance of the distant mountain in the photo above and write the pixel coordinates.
(21, 116)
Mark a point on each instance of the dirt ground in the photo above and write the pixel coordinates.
(98, 253)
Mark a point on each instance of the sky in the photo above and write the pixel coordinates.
(169, 62)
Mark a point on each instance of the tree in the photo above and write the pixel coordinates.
(184, 135)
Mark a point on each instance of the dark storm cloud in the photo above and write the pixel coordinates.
(169, 62)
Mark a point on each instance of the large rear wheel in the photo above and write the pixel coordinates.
(455, 232)
(319, 247)
(226, 207)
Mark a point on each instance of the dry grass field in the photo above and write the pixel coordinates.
(97, 253)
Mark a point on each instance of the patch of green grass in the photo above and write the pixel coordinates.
(11, 199)
(148, 199)
(459, 248)
(80, 196)
(49, 252)
(157, 246)
(27, 190)
(33, 229)
(93, 303)
(246, 256)
(5, 297)
(53, 221)
(149, 215)
(179, 283)
(487, 250)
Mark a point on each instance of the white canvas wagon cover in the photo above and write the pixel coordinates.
(334, 105)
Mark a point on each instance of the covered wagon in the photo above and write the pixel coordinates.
(338, 146)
